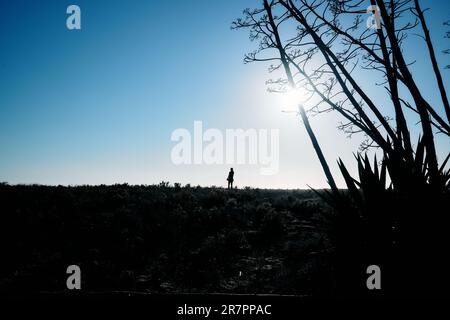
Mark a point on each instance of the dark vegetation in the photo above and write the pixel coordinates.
(165, 239)
(395, 212)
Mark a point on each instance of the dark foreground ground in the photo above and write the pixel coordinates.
(161, 239)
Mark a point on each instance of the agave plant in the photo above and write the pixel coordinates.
(391, 212)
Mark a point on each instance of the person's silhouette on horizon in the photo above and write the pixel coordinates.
(230, 179)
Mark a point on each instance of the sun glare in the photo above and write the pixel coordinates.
(290, 100)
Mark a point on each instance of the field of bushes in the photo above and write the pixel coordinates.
(165, 239)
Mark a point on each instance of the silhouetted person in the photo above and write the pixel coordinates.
(230, 179)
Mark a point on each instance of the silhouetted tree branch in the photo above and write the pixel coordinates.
(323, 54)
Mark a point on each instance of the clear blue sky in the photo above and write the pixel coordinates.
(98, 105)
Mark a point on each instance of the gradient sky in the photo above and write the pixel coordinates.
(98, 105)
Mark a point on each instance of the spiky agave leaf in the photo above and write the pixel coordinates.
(350, 182)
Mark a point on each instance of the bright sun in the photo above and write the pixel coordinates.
(290, 100)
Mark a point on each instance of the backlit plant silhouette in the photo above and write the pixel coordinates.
(390, 213)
